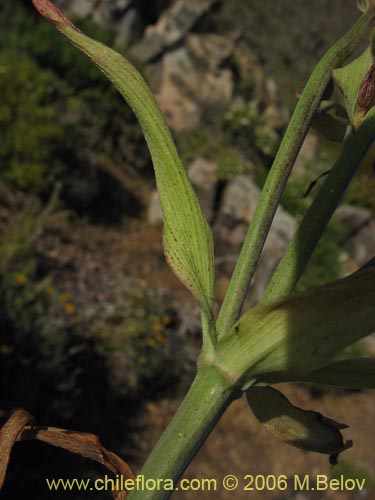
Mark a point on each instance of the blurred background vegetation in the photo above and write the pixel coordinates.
(82, 342)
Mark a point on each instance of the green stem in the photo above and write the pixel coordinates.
(278, 175)
(320, 211)
(208, 397)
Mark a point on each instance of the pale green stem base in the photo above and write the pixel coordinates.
(208, 397)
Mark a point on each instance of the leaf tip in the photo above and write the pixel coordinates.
(53, 14)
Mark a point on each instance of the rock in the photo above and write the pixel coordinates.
(79, 8)
(272, 89)
(118, 17)
(308, 153)
(237, 209)
(203, 176)
(209, 50)
(359, 238)
(154, 213)
(368, 345)
(191, 78)
(149, 48)
(353, 218)
(238, 204)
(177, 74)
(170, 29)
(128, 26)
(276, 115)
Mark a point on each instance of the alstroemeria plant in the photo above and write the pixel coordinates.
(286, 337)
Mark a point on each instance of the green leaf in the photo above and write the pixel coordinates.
(187, 237)
(349, 78)
(292, 337)
(304, 429)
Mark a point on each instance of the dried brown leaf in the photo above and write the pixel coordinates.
(80, 443)
(8, 436)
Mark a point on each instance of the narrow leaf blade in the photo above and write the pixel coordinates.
(187, 236)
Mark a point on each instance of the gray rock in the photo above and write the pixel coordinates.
(276, 115)
(210, 50)
(353, 218)
(308, 153)
(171, 28)
(203, 176)
(191, 78)
(128, 25)
(368, 345)
(118, 17)
(154, 213)
(149, 48)
(109, 12)
(177, 74)
(359, 238)
(237, 209)
(79, 8)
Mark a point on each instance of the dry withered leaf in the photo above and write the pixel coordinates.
(18, 428)
(305, 429)
(8, 436)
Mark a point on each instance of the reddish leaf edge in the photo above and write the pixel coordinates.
(53, 14)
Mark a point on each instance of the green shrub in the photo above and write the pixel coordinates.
(50, 117)
(26, 33)
(244, 126)
(29, 120)
(50, 323)
(194, 143)
(129, 333)
(325, 264)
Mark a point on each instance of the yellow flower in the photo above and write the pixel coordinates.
(69, 308)
(160, 338)
(64, 298)
(20, 278)
(158, 327)
(166, 319)
(151, 344)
